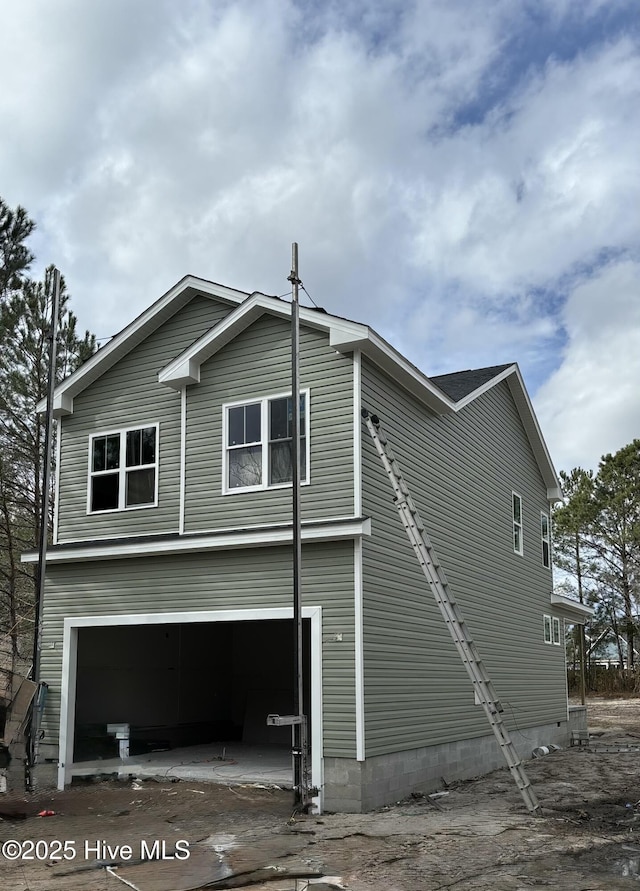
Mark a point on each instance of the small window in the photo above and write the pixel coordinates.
(546, 539)
(547, 629)
(517, 523)
(556, 631)
(259, 443)
(123, 469)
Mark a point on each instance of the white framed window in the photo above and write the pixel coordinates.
(546, 620)
(556, 631)
(258, 443)
(516, 507)
(123, 469)
(545, 535)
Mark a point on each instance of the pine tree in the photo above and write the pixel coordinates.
(616, 538)
(25, 331)
(597, 542)
(572, 526)
(15, 257)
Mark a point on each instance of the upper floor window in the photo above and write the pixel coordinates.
(517, 523)
(545, 534)
(258, 439)
(123, 469)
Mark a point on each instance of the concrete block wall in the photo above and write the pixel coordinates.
(358, 786)
(577, 717)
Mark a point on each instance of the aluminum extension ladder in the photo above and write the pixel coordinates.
(428, 559)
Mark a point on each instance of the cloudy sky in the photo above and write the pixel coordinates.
(463, 175)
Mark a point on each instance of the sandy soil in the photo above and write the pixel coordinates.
(476, 837)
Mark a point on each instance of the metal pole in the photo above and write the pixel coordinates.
(44, 527)
(299, 736)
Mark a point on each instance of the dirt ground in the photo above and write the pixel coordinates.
(166, 836)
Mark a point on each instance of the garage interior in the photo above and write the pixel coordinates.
(191, 694)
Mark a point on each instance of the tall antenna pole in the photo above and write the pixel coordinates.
(299, 729)
(34, 728)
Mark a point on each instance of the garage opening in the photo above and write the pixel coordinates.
(186, 686)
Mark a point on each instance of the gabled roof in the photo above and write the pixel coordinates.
(443, 394)
(466, 386)
(462, 383)
(344, 336)
(137, 331)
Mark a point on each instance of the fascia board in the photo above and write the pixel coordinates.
(185, 368)
(534, 433)
(62, 405)
(529, 421)
(393, 363)
(133, 334)
(570, 609)
(486, 386)
(231, 539)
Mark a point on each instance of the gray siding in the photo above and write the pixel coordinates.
(241, 579)
(461, 470)
(255, 364)
(129, 395)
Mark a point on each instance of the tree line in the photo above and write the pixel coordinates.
(597, 555)
(25, 337)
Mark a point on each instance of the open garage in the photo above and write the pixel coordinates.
(189, 692)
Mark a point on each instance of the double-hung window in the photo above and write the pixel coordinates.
(123, 469)
(258, 443)
(545, 535)
(517, 523)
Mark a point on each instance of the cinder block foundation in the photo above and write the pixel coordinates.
(352, 786)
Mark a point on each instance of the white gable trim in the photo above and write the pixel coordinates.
(534, 434)
(514, 379)
(185, 368)
(122, 344)
(344, 336)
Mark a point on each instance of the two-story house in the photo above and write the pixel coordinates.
(168, 599)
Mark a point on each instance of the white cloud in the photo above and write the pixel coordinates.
(590, 405)
(158, 139)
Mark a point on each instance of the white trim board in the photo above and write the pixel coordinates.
(242, 538)
(357, 433)
(359, 649)
(137, 331)
(56, 511)
(70, 664)
(570, 610)
(183, 457)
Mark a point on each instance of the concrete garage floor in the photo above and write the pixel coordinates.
(210, 763)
